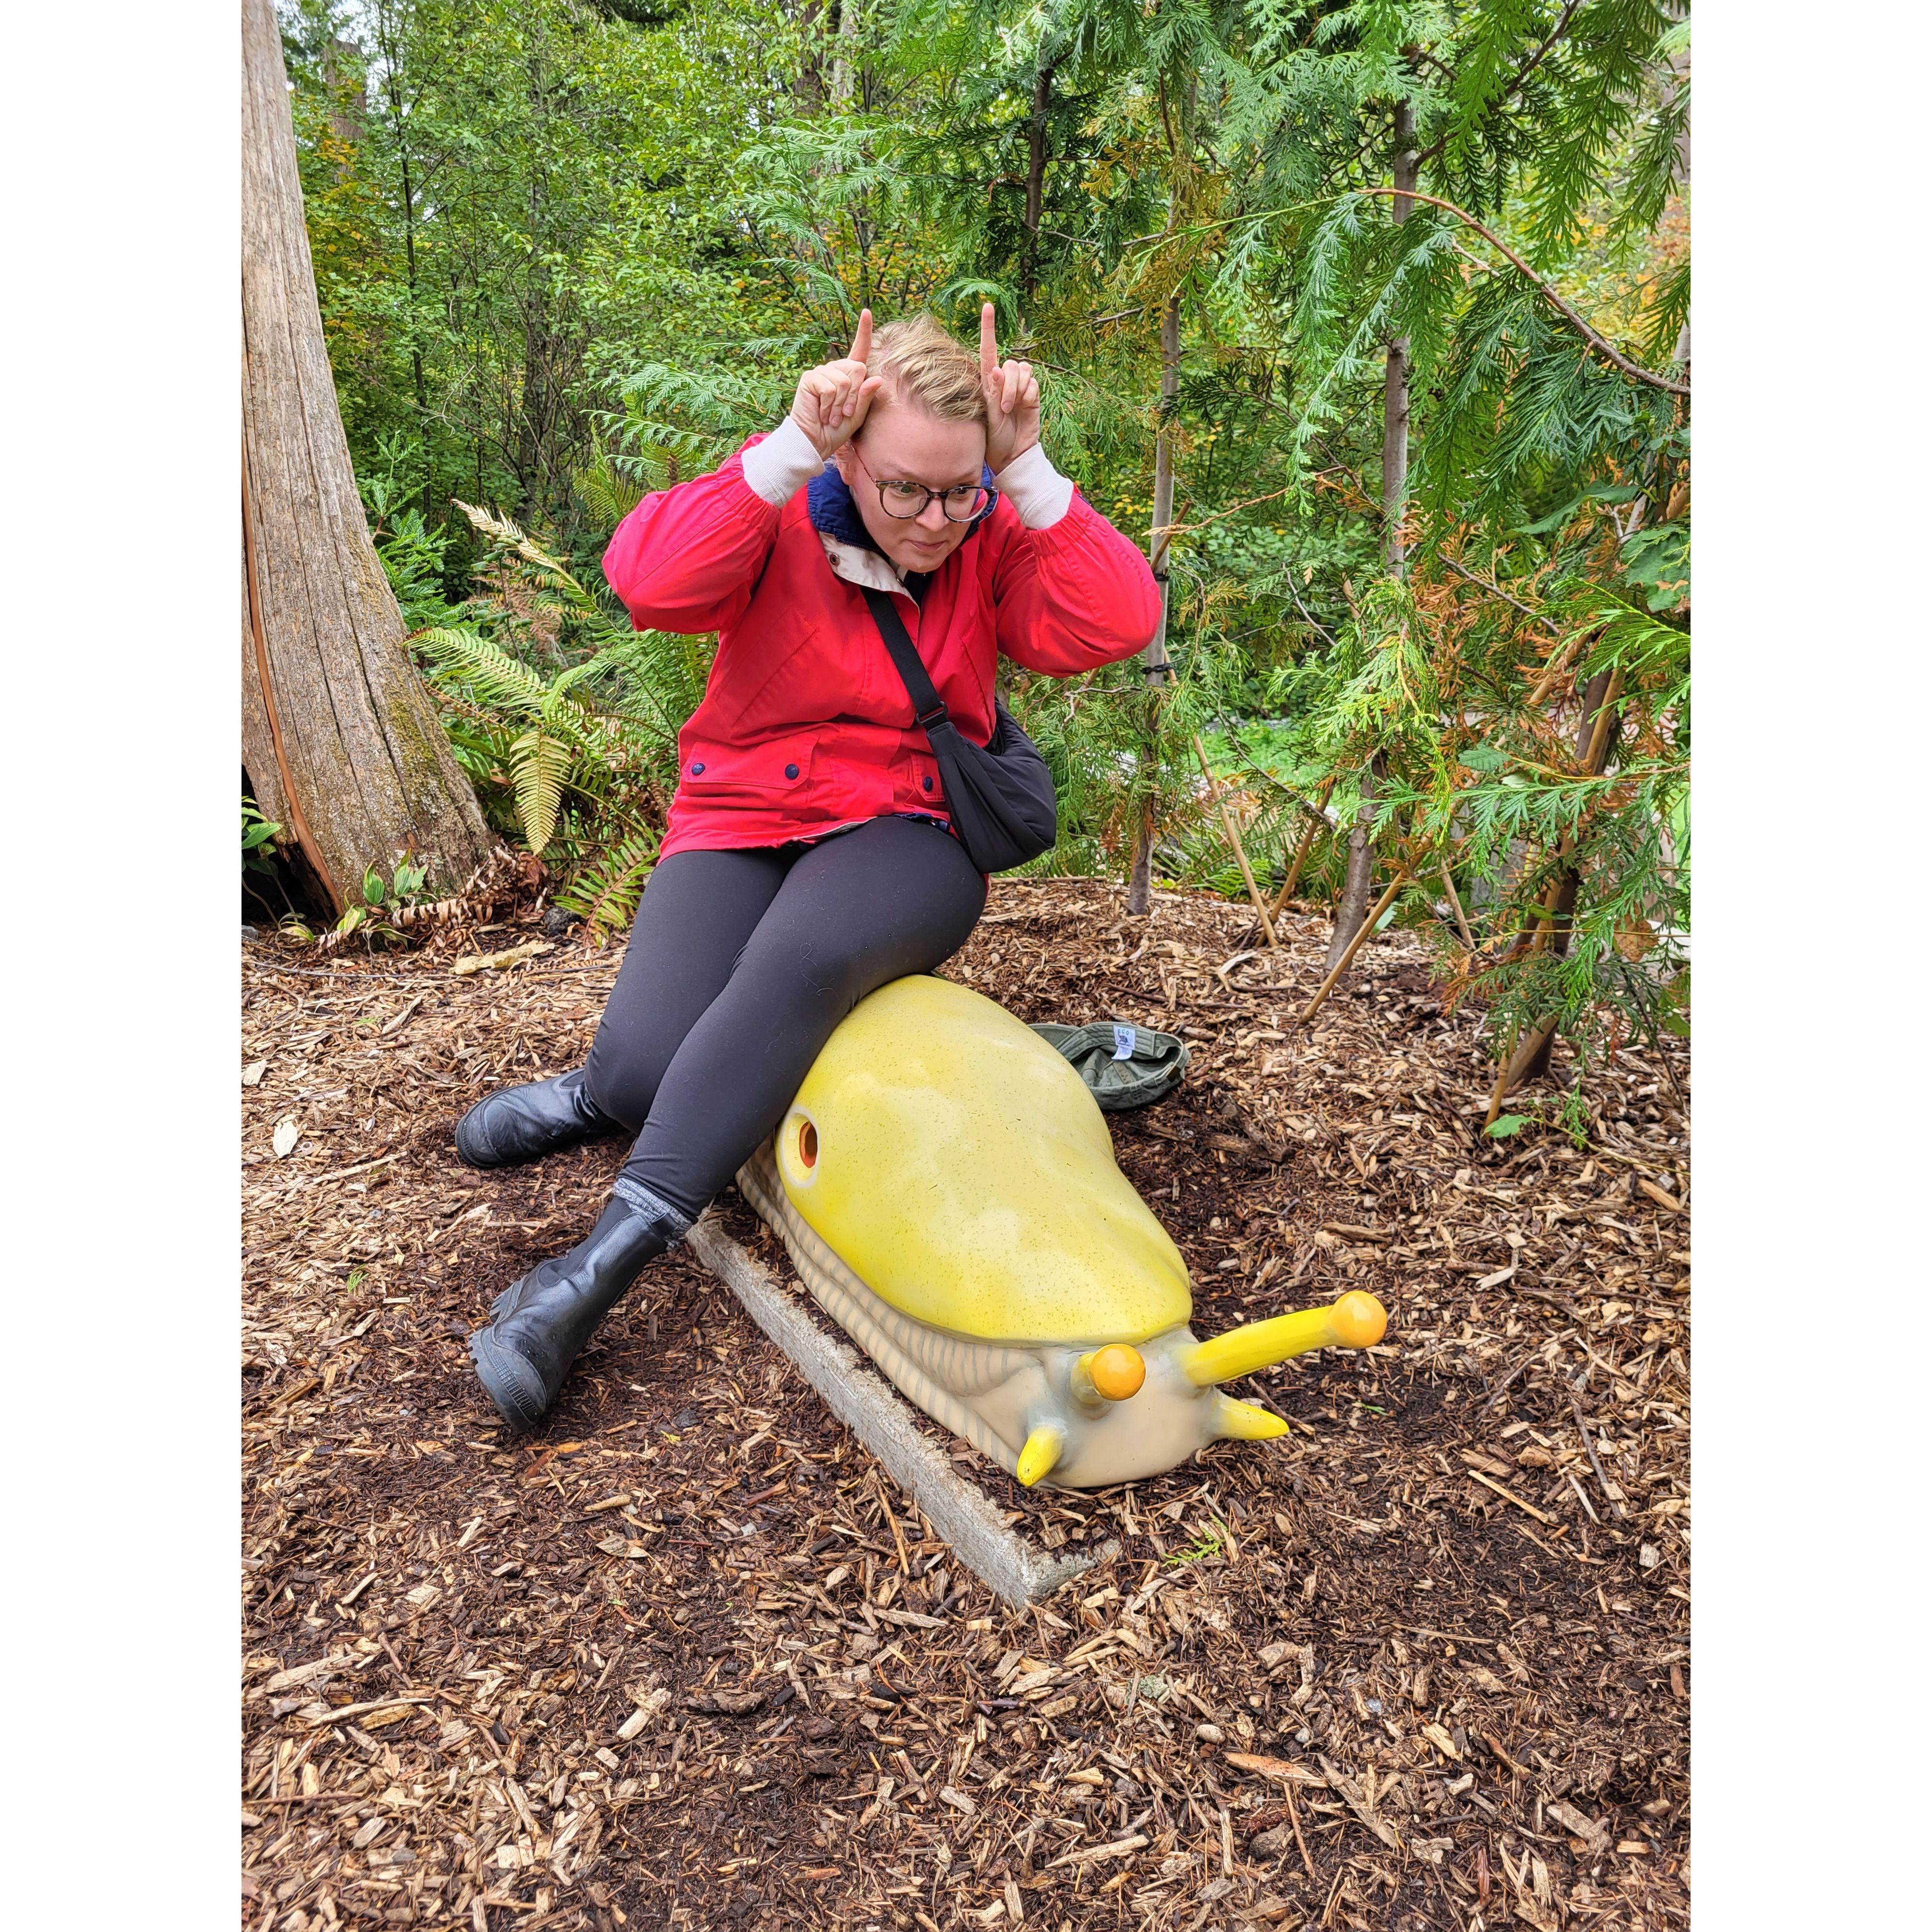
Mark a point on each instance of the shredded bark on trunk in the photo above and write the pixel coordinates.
(1596, 733)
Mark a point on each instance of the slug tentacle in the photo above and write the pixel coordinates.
(1244, 1422)
(1042, 1449)
(1357, 1320)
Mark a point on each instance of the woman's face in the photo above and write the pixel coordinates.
(901, 444)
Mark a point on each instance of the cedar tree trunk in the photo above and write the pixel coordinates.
(339, 736)
(844, 66)
(1153, 657)
(1358, 887)
(1532, 1059)
(1036, 181)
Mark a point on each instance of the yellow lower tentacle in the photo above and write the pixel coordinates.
(1042, 1451)
(1243, 1422)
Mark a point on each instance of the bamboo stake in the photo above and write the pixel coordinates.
(1555, 669)
(1601, 729)
(1234, 840)
(1367, 926)
(1462, 924)
(1526, 1048)
(1288, 884)
(1496, 1091)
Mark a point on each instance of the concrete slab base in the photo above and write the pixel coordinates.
(1012, 1567)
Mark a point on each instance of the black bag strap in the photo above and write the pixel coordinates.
(929, 707)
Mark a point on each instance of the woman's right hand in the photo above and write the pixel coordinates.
(832, 399)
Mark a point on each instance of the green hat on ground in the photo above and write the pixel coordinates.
(1122, 1066)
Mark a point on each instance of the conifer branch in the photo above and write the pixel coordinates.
(1528, 66)
(1601, 344)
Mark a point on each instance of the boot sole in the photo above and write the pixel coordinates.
(509, 1381)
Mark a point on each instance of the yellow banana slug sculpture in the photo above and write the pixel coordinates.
(947, 1185)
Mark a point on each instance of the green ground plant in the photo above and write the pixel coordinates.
(381, 896)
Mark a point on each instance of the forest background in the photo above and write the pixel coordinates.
(1373, 318)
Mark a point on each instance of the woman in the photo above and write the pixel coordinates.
(808, 858)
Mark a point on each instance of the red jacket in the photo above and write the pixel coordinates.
(805, 725)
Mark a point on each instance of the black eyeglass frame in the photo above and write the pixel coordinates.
(989, 491)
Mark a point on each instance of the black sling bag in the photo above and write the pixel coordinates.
(999, 796)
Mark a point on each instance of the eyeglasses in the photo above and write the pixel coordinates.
(903, 501)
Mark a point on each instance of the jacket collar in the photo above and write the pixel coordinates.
(848, 544)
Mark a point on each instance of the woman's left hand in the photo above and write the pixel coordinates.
(1012, 400)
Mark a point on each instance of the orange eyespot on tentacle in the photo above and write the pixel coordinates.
(1359, 1320)
(795, 1149)
(1111, 1374)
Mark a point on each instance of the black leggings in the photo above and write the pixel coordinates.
(741, 965)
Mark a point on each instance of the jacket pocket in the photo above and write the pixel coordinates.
(918, 784)
(768, 774)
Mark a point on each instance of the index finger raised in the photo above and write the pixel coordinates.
(989, 347)
(861, 350)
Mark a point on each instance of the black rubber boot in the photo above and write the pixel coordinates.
(520, 1123)
(538, 1325)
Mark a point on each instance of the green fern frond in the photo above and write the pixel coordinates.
(559, 694)
(540, 768)
(485, 670)
(608, 497)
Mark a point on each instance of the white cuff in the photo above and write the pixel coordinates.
(1036, 489)
(783, 464)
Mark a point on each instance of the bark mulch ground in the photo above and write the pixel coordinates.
(689, 1659)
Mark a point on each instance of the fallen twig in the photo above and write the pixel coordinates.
(1119, 1849)
(1294, 1820)
(1511, 1496)
(1612, 1496)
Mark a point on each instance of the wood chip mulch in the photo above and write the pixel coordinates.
(688, 1659)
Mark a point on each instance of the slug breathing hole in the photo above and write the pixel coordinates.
(808, 1144)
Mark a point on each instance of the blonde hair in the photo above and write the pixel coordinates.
(923, 364)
